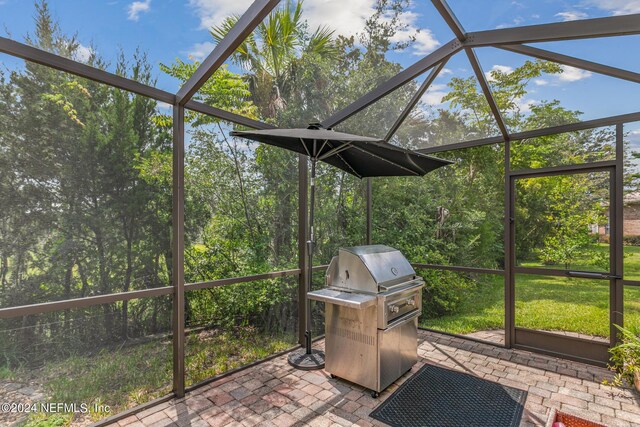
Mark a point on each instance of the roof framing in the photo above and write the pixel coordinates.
(208, 110)
(61, 63)
(553, 130)
(486, 90)
(510, 39)
(258, 10)
(573, 62)
(415, 99)
(450, 18)
(587, 28)
(571, 30)
(453, 23)
(38, 56)
(403, 77)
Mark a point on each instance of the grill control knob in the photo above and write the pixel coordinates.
(411, 302)
(394, 308)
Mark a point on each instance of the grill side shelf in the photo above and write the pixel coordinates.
(346, 299)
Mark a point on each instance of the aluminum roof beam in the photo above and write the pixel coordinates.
(42, 57)
(404, 76)
(582, 29)
(599, 27)
(573, 62)
(226, 115)
(48, 59)
(450, 18)
(587, 28)
(486, 90)
(258, 10)
(518, 136)
(415, 99)
(456, 27)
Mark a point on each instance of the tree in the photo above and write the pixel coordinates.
(272, 55)
(80, 218)
(277, 57)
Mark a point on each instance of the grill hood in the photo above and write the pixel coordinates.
(369, 268)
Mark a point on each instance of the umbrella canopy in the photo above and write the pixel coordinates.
(361, 156)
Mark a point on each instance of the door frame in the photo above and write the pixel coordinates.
(568, 347)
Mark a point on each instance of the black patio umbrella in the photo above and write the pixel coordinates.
(361, 156)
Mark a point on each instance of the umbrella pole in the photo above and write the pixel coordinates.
(308, 358)
(310, 247)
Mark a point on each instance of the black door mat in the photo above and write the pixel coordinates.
(437, 397)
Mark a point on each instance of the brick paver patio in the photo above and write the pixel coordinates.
(274, 394)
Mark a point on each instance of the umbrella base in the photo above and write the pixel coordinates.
(299, 359)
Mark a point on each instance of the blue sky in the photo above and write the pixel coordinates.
(169, 29)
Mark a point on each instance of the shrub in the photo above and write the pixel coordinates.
(631, 240)
(625, 357)
(443, 292)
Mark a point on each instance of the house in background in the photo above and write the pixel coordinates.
(631, 217)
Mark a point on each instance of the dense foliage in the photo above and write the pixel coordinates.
(81, 214)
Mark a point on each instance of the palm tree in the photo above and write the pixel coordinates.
(275, 57)
(270, 54)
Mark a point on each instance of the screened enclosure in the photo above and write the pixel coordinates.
(137, 236)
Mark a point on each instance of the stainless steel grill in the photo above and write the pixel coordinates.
(373, 299)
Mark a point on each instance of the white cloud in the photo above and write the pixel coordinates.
(524, 105)
(571, 15)
(83, 53)
(634, 137)
(516, 21)
(505, 69)
(571, 74)
(346, 18)
(434, 95)
(212, 12)
(199, 51)
(617, 7)
(540, 82)
(136, 8)
(164, 106)
(425, 42)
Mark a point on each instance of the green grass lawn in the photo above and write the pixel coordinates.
(481, 310)
(632, 262)
(125, 377)
(545, 303)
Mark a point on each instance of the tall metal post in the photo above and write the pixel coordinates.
(177, 246)
(616, 217)
(509, 279)
(303, 183)
(310, 248)
(369, 200)
(308, 358)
